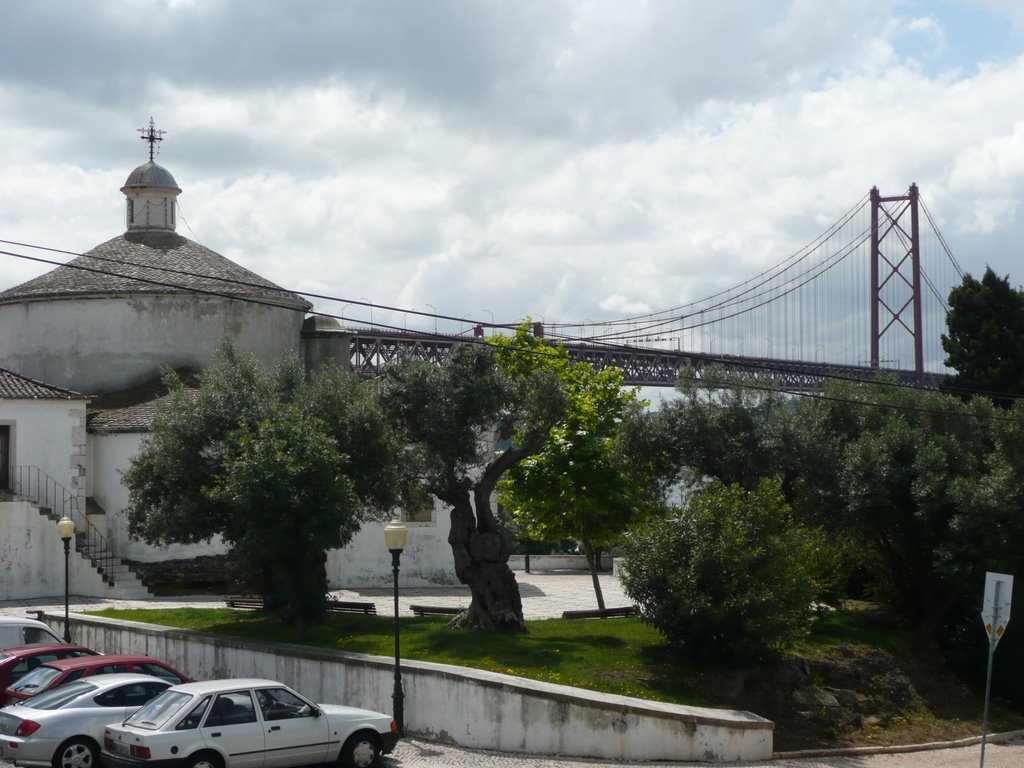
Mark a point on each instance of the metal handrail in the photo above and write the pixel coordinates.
(43, 491)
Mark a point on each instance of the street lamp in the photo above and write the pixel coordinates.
(66, 529)
(395, 535)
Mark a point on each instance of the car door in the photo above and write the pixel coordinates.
(124, 700)
(295, 731)
(232, 728)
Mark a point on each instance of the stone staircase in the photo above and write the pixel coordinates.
(122, 581)
(53, 503)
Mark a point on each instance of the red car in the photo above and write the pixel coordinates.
(19, 660)
(60, 671)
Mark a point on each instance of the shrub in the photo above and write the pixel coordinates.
(731, 576)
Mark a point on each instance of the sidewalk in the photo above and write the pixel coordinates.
(545, 595)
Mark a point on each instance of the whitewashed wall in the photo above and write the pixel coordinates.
(32, 558)
(49, 434)
(107, 344)
(426, 561)
(108, 457)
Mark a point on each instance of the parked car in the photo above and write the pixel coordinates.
(63, 727)
(60, 671)
(17, 631)
(242, 723)
(18, 660)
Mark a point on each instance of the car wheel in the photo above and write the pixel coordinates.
(204, 760)
(361, 750)
(76, 753)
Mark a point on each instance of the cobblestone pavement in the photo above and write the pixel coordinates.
(415, 753)
(545, 595)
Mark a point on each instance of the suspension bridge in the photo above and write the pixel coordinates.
(867, 296)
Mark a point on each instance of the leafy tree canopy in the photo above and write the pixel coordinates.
(578, 485)
(985, 339)
(730, 576)
(281, 467)
(453, 418)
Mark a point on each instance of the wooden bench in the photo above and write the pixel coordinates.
(245, 603)
(333, 606)
(435, 610)
(601, 613)
(349, 606)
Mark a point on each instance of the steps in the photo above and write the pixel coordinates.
(122, 582)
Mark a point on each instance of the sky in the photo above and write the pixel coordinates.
(488, 161)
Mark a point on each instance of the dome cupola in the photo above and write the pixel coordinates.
(151, 191)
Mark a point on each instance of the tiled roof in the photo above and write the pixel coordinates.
(152, 262)
(15, 387)
(134, 418)
(132, 410)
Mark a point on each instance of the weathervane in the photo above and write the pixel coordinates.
(152, 135)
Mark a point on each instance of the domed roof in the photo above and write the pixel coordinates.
(153, 262)
(151, 175)
(320, 323)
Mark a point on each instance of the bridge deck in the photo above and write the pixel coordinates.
(371, 350)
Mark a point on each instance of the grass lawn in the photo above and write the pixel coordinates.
(625, 656)
(621, 656)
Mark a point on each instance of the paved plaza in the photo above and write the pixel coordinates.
(546, 595)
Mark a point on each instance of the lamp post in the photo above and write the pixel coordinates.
(395, 535)
(66, 529)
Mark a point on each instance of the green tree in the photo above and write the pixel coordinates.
(452, 417)
(921, 487)
(730, 576)
(723, 427)
(578, 485)
(251, 457)
(985, 339)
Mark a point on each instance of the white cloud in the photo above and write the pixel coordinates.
(568, 161)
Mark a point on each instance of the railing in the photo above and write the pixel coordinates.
(46, 493)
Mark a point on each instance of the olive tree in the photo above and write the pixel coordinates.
(451, 418)
(280, 467)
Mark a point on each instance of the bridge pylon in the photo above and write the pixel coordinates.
(896, 273)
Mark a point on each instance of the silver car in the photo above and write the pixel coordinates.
(63, 727)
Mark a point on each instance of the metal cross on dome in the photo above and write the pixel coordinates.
(152, 135)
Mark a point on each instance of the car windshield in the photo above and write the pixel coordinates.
(57, 697)
(36, 680)
(159, 710)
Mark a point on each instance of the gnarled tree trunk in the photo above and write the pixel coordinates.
(481, 546)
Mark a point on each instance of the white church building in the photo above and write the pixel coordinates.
(81, 350)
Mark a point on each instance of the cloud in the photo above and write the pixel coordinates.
(564, 160)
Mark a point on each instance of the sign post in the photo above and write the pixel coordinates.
(995, 614)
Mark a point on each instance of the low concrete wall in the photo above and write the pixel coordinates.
(453, 704)
(556, 563)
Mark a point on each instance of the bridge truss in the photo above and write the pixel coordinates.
(371, 350)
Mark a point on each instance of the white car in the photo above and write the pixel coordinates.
(63, 727)
(245, 724)
(17, 631)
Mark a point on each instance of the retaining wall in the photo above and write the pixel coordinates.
(453, 704)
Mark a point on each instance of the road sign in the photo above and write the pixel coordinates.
(995, 612)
